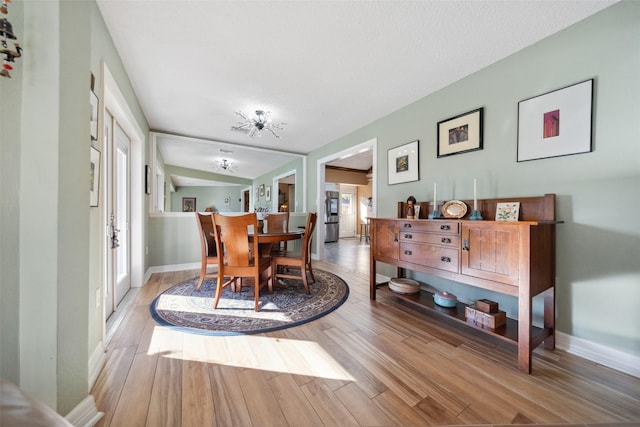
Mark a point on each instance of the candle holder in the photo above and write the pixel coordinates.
(475, 215)
(435, 214)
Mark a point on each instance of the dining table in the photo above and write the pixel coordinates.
(267, 240)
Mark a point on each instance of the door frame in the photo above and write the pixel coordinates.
(320, 192)
(118, 107)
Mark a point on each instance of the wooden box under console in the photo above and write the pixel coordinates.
(487, 306)
(515, 258)
(486, 320)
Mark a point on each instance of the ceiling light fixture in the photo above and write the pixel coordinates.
(226, 166)
(255, 125)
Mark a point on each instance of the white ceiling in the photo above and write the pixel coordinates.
(325, 68)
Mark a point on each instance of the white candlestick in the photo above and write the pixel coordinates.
(475, 197)
(435, 199)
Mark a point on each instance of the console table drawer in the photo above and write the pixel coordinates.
(430, 256)
(431, 238)
(448, 227)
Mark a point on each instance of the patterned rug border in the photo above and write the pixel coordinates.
(163, 322)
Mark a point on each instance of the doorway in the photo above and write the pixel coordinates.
(123, 199)
(118, 207)
(370, 145)
(246, 200)
(347, 211)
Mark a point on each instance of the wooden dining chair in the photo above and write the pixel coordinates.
(239, 256)
(300, 258)
(278, 222)
(208, 252)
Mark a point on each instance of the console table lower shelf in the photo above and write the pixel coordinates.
(507, 332)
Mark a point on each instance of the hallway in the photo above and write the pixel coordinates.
(349, 252)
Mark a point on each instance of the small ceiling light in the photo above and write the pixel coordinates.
(255, 125)
(226, 166)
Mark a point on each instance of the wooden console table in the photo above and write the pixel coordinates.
(513, 258)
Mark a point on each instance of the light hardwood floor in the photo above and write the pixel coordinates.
(366, 364)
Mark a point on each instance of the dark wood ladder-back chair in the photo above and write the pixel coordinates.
(278, 222)
(207, 246)
(237, 256)
(300, 259)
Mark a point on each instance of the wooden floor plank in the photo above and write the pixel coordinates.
(165, 406)
(133, 405)
(292, 401)
(228, 399)
(261, 404)
(197, 396)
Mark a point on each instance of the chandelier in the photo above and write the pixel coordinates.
(226, 166)
(255, 125)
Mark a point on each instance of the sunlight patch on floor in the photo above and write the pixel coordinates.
(296, 357)
(191, 304)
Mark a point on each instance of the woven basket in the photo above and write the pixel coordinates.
(404, 286)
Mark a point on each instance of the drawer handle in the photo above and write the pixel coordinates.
(445, 259)
(408, 236)
(445, 227)
(445, 240)
(407, 252)
(407, 225)
(465, 244)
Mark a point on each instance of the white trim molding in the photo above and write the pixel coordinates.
(598, 353)
(85, 414)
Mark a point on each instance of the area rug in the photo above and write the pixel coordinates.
(186, 309)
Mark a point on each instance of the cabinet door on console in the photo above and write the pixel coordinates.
(386, 238)
(491, 251)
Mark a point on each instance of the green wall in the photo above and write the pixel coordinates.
(209, 197)
(267, 180)
(51, 239)
(598, 246)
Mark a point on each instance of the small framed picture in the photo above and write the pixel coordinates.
(93, 119)
(94, 177)
(147, 179)
(460, 134)
(268, 194)
(188, 204)
(508, 211)
(403, 163)
(227, 200)
(261, 190)
(256, 194)
(556, 123)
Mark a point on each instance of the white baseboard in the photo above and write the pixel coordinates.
(96, 362)
(170, 268)
(85, 414)
(612, 358)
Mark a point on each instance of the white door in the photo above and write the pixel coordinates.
(117, 145)
(347, 211)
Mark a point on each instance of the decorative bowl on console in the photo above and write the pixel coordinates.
(445, 299)
(404, 286)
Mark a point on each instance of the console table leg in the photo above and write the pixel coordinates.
(550, 317)
(524, 332)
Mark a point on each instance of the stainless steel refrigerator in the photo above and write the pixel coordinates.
(332, 216)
